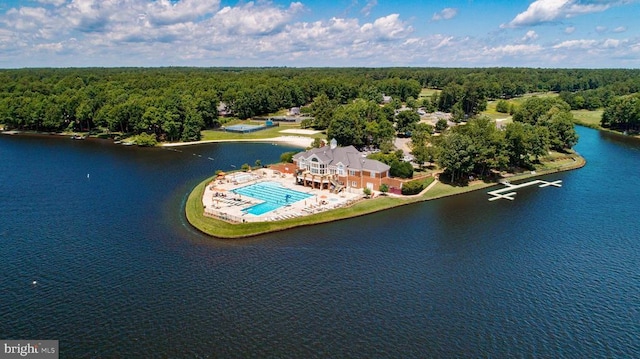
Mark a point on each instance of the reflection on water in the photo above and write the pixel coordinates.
(121, 274)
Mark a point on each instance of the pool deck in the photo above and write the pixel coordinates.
(220, 202)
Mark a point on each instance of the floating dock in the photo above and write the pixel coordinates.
(499, 193)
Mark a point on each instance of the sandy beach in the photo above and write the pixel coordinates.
(297, 141)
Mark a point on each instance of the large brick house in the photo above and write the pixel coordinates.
(336, 168)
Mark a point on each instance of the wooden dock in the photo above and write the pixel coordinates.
(499, 193)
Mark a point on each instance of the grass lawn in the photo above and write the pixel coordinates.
(216, 228)
(428, 92)
(208, 135)
(492, 113)
(588, 118)
(221, 229)
(491, 105)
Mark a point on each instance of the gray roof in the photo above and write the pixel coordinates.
(349, 156)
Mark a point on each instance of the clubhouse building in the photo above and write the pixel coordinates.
(339, 168)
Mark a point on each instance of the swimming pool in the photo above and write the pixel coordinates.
(273, 195)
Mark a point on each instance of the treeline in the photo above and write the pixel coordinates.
(172, 103)
(623, 114)
(177, 103)
(479, 148)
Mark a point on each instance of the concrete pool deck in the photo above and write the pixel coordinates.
(221, 202)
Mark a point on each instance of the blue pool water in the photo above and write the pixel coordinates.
(273, 195)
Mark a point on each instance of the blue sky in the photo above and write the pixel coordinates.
(371, 33)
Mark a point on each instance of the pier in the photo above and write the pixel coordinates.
(499, 193)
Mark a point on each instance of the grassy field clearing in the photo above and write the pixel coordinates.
(208, 135)
(588, 118)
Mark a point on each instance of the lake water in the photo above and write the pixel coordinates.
(555, 273)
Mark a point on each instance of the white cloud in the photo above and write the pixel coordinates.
(170, 12)
(569, 29)
(576, 44)
(200, 32)
(620, 29)
(530, 36)
(611, 43)
(445, 14)
(513, 50)
(601, 29)
(52, 2)
(546, 11)
(444, 42)
(386, 28)
(251, 19)
(366, 10)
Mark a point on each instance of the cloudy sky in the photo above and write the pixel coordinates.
(370, 33)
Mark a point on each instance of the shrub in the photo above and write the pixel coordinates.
(413, 187)
(146, 140)
(502, 106)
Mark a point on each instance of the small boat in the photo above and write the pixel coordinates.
(78, 137)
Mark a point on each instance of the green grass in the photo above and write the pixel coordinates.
(428, 92)
(491, 105)
(209, 135)
(216, 228)
(221, 229)
(492, 113)
(588, 118)
(425, 182)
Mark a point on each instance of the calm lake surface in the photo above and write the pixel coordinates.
(555, 273)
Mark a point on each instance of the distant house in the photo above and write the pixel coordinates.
(336, 168)
(386, 99)
(224, 109)
(294, 111)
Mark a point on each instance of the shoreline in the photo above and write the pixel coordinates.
(295, 141)
(219, 229)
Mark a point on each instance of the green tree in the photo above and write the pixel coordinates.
(322, 110)
(502, 106)
(145, 140)
(400, 169)
(367, 192)
(489, 144)
(344, 129)
(406, 120)
(421, 147)
(517, 143)
(456, 155)
(441, 125)
(317, 143)
(537, 110)
(287, 157)
(562, 132)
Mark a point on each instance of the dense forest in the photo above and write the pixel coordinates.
(176, 103)
(480, 148)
